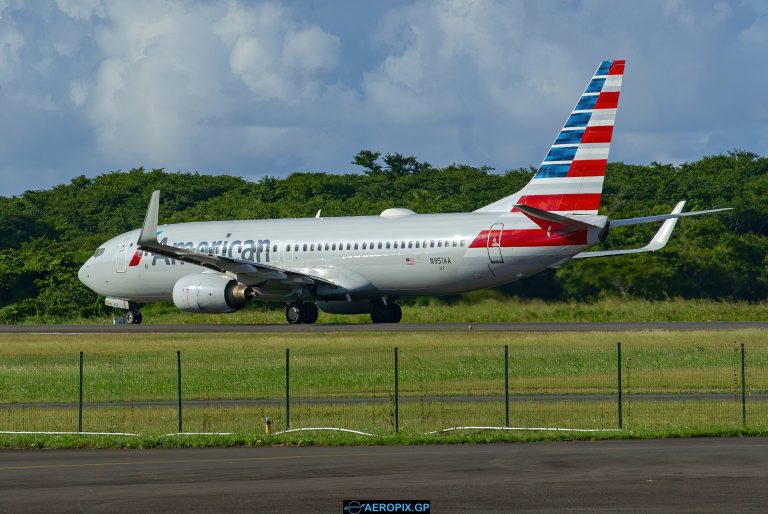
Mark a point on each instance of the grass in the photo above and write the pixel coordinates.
(346, 380)
(478, 307)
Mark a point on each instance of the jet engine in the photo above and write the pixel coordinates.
(210, 293)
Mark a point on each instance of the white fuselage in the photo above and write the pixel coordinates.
(367, 256)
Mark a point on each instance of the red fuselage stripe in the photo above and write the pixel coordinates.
(529, 238)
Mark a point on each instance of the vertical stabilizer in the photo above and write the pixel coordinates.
(570, 179)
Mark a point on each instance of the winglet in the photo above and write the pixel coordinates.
(148, 235)
(661, 238)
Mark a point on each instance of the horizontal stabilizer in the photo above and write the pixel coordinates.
(658, 242)
(564, 221)
(662, 217)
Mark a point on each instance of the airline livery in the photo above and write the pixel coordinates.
(364, 264)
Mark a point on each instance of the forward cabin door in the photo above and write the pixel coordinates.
(494, 243)
(121, 258)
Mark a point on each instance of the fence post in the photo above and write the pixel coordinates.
(743, 388)
(178, 382)
(506, 385)
(80, 402)
(287, 388)
(618, 384)
(397, 394)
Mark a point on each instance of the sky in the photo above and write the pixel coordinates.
(269, 88)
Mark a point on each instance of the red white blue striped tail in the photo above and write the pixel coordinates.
(570, 179)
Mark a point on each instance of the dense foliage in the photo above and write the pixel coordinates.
(46, 235)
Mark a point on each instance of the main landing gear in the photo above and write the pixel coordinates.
(386, 313)
(300, 312)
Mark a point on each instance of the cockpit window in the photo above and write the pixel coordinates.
(98, 252)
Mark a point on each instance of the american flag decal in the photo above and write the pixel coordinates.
(410, 261)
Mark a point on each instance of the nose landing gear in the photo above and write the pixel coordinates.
(133, 317)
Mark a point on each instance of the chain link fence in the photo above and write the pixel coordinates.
(383, 390)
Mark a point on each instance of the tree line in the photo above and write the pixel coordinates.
(45, 236)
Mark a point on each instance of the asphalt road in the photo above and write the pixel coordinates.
(680, 475)
(400, 327)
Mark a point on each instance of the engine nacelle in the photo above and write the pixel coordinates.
(210, 293)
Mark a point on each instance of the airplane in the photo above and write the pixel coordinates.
(364, 264)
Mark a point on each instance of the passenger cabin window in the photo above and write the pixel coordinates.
(387, 244)
(333, 247)
(305, 247)
(380, 245)
(461, 243)
(431, 244)
(395, 244)
(355, 246)
(410, 244)
(439, 244)
(455, 243)
(365, 246)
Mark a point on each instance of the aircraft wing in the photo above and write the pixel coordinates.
(659, 240)
(246, 272)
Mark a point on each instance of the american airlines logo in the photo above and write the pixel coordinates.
(248, 250)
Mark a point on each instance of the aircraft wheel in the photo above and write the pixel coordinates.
(133, 318)
(395, 313)
(379, 313)
(310, 313)
(294, 313)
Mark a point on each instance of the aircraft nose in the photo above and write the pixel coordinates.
(84, 274)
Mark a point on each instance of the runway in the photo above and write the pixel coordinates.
(383, 327)
(689, 475)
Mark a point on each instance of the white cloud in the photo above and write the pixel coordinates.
(277, 58)
(176, 77)
(81, 9)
